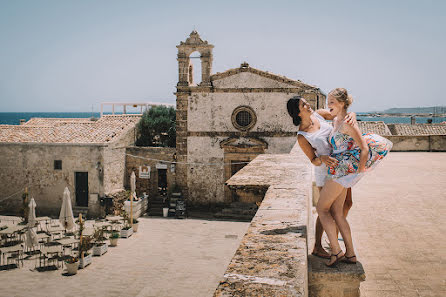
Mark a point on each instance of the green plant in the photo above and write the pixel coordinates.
(71, 260)
(157, 127)
(114, 235)
(98, 235)
(135, 221)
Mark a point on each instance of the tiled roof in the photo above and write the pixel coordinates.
(49, 130)
(379, 128)
(418, 129)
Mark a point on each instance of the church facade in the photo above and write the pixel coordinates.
(228, 119)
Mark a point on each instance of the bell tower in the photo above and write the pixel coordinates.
(185, 70)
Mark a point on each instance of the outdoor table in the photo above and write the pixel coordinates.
(51, 248)
(41, 236)
(103, 225)
(12, 231)
(10, 249)
(114, 218)
(12, 219)
(68, 241)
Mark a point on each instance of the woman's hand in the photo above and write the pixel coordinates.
(350, 118)
(329, 161)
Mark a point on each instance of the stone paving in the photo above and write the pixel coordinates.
(398, 225)
(166, 257)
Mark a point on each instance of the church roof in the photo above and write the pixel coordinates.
(244, 67)
(66, 130)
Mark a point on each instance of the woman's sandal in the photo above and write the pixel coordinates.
(347, 259)
(323, 256)
(337, 259)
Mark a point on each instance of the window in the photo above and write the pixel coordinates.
(57, 164)
(243, 118)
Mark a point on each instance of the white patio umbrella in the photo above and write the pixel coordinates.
(132, 194)
(31, 236)
(66, 217)
(32, 213)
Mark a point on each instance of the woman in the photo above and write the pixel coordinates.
(355, 154)
(313, 139)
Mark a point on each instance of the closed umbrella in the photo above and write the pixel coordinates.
(66, 212)
(32, 213)
(31, 236)
(132, 194)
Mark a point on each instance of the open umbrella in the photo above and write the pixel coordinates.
(66, 212)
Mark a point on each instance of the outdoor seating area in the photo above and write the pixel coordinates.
(48, 245)
(45, 244)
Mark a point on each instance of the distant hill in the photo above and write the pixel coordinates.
(433, 109)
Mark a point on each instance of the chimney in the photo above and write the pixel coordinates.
(412, 120)
(22, 121)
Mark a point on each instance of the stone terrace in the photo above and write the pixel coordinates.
(50, 130)
(166, 257)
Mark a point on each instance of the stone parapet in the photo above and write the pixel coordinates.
(272, 257)
(342, 281)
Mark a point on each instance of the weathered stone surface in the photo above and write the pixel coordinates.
(272, 257)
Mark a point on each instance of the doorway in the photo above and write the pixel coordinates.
(162, 181)
(81, 184)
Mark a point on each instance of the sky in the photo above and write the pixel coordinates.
(69, 56)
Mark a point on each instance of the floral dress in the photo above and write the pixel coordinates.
(348, 155)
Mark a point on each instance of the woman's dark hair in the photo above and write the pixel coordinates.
(293, 109)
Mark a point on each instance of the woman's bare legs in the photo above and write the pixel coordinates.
(318, 249)
(331, 192)
(347, 205)
(338, 211)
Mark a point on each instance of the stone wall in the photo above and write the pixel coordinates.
(114, 156)
(148, 156)
(32, 165)
(206, 121)
(422, 143)
(272, 257)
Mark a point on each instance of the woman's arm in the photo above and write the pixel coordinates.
(355, 133)
(308, 150)
(349, 119)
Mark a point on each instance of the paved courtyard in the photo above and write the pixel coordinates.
(167, 257)
(398, 223)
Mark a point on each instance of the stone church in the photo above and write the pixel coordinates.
(227, 119)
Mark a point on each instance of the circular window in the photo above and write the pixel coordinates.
(243, 118)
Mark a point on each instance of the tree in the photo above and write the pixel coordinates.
(157, 127)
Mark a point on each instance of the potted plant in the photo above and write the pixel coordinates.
(135, 225)
(114, 238)
(72, 264)
(85, 255)
(127, 231)
(84, 246)
(100, 247)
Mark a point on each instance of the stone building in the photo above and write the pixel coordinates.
(47, 155)
(227, 119)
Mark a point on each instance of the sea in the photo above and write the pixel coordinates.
(13, 118)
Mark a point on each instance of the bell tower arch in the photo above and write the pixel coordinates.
(185, 70)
